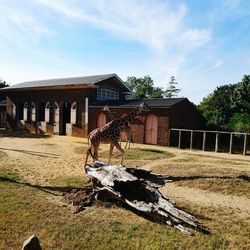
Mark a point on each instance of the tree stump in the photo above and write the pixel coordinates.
(137, 189)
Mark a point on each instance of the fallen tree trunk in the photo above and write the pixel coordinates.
(137, 189)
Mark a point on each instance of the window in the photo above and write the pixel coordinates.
(107, 94)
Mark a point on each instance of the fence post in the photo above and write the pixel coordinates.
(231, 143)
(169, 137)
(204, 141)
(216, 142)
(179, 141)
(191, 139)
(245, 144)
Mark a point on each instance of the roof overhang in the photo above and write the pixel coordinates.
(51, 88)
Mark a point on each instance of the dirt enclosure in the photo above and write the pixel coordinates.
(36, 170)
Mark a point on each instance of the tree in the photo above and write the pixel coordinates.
(3, 84)
(143, 88)
(241, 96)
(217, 107)
(172, 90)
(228, 107)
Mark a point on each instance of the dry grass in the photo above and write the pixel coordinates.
(35, 172)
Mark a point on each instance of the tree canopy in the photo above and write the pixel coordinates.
(143, 88)
(228, 106)
(172, 90)
(3, 84)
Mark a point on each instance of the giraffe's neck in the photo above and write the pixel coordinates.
(110, 114)
(130, 117)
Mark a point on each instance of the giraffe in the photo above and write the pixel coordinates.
(127, 129)
(110, 133)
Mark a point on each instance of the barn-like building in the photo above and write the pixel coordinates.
(73, 106)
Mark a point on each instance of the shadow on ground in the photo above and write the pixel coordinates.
(21, 134)
(41, 154)
(195, 177)
(47, 189)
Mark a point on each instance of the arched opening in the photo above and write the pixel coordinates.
(25, 111)
(41, 112)
(20, 111)
(33, 112)
(13, 111)
(65, 117)
(47, 112)
(151, 129)
(101, 120)
(56, 112)
(73, 113)
(56, 117)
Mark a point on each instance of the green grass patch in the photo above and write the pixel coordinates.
(228, 186)
(26, 210)
(8, 176)
(72, 181)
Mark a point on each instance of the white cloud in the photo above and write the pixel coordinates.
(19, 24)
(151, 23)
(218, 64)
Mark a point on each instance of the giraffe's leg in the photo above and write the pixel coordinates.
(110, 151)
(87, 155)
(120, 149)
(96, 147)
(126, 143)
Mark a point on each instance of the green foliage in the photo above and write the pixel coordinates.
(3, 84)
(240, 122)
(220, 107)
(143, 88)
(216, 107)
(172, 90)
(241, 96)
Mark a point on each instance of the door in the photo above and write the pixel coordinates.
(151, 129)
(101, 120)
(65, 117)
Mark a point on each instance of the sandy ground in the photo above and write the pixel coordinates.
(41, 159)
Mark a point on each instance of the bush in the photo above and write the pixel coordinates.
(240, 122)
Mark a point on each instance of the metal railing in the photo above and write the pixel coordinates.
(204, 138)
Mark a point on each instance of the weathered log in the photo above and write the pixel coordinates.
(137, 189)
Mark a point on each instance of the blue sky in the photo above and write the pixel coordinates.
(204, 44)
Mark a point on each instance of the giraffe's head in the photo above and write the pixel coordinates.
(143, 107)
(106, 108)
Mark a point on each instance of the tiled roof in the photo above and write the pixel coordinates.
(161, 102)
(73, 81)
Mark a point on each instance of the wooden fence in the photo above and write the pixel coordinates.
(206, 140)
(2, 119)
